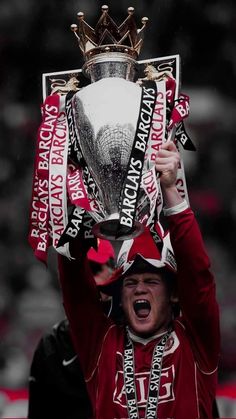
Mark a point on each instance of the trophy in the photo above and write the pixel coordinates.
(106, 114)
(105, 123)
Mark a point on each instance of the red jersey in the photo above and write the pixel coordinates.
(189, 368)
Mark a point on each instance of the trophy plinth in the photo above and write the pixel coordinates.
(108, 229)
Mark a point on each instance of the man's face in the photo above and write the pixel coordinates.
(146, 303)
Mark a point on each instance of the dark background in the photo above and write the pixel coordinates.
(35, 38)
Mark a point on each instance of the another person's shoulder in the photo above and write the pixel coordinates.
(54, 345)
(57, 340)
(56, 355)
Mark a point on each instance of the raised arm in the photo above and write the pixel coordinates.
(83, 308)
(196, 285)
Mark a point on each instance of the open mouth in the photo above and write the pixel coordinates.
(142, 308)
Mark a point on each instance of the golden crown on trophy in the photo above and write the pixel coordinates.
(107, 37)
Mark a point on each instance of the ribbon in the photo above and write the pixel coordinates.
(57, 179)
(180, 110)
(76, 188)
(158, 126)
(81, 188)
(183, 138)
(154, 379)
(39, 232)
(75, 152)
(131, 186)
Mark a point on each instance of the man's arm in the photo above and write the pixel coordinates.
(196, 286)
(83, 308)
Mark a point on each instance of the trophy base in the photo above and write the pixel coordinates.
(108, 230)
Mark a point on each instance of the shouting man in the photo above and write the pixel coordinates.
(161, 360)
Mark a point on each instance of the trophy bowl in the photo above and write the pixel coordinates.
(106, 114)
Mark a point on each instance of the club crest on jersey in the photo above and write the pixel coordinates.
(172, 344)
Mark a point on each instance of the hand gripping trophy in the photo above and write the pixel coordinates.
(94, 165)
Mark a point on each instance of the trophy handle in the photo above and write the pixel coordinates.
(169, 63)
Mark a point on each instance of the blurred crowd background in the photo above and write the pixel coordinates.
(35, 38)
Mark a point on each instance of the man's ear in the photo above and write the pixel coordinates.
(174, 298)
(174, 295)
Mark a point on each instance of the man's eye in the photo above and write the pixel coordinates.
(153, 281)
(130, 282)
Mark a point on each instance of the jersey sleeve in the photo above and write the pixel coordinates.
(196, 289)
(83, 309)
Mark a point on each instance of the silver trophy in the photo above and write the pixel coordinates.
(106, 112)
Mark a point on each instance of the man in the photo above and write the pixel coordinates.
(56, 384)
(154, 365)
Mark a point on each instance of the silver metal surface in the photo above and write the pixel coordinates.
(106, 114)
(107, 229)
(110, 64)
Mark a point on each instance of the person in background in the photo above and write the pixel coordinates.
(154, 365)
(56, 384)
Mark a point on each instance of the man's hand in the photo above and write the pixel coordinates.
(167, 162)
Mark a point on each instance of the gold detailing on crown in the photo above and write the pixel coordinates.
(61, 87)
(108, 37)
(152, 73)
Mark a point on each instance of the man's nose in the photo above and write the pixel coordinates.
(140, 288)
